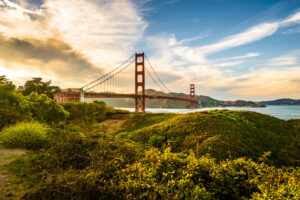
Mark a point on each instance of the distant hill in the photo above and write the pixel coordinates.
(205, 101)
(285, 101)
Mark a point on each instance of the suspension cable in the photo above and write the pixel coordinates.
(108, 73)
(110, 76)
(156, 74)
(154, 79)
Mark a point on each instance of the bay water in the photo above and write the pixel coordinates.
(285, 112)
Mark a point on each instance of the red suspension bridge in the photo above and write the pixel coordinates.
(117, 84)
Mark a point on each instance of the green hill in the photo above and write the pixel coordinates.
(223, 134)
(282, 102)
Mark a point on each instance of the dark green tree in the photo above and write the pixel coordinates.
(44, 109)
(40, 87)
(8, 83)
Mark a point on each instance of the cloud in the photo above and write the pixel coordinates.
(9, 4)
(288, 59)
(284, 60)
(172, 1)
(248, 55)
(295, 18)
(91, 27)
(292, 31)
(233, 61)
(228, 64)
(208, 74)
(250, 35)
(267, 83)
(47, 57)
(95, 32)
(173, 41)
(71, 42)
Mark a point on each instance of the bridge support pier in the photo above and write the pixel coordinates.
(139, 82)
(81, 96)
(192, 96)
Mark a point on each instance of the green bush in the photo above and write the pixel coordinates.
(86, 113)
(9, 117)
(39, 107)
(73, 150)
(46, 110)
(120, 170)
(30, 135)
(11, 100)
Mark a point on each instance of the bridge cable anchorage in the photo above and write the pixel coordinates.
(110, 76)
(157, 75)
(128, 60)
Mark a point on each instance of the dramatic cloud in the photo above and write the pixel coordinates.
(103, 33)
(50, 57)
(73, 41)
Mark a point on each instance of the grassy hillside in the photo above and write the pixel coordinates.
(222, 134)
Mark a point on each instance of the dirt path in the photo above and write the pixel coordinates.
(5, 158)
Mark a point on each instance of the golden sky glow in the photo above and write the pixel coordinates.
(72, 42)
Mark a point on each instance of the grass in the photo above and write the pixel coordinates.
(139, 121)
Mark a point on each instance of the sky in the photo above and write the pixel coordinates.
(230, 49)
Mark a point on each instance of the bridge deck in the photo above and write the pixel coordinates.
(64, 97)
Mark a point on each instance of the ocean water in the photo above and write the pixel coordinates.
(283, 112)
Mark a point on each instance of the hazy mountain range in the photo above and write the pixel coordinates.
(285, 101)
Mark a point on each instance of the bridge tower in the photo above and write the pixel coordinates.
(139, 82)
(192, 95)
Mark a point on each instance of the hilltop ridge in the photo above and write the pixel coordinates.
(283, 101)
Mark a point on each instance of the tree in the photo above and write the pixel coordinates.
(44, 109)
(5, 81)
(40, 87)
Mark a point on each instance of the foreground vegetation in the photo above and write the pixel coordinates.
(92, 151)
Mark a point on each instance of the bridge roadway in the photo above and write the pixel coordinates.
(114, 95)
(69, 96)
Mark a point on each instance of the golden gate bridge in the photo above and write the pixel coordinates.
(118, 82)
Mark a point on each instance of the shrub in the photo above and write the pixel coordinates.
(73, 150)
(119, 170)
(12, 101)
(40, 107)
(86, 113)
(30, 135)
(9, 117)
(46, 110)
